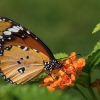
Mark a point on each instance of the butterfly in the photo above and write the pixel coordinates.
(23, 56)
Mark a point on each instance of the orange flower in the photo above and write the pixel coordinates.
(96, 84)
(66, 76)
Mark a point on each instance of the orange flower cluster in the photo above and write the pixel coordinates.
(66, 76)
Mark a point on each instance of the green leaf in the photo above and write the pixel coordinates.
(60, 55)
(93, 60)
(96, 29)
(97, 46)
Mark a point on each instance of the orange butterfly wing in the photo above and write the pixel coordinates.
(19, 65)
(14, 34)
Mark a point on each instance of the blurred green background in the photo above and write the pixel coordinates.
(64, 26)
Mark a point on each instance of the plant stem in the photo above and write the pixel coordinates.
(76, 88)
(90, 88)
(92, 93)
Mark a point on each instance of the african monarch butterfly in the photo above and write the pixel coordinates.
(23, 56)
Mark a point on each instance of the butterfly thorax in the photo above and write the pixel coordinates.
(51, 65)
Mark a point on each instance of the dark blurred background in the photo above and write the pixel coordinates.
(64, 26)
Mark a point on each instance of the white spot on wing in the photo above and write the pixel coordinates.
(23, 36)
(36, 38)
(28, 32)
(1, 37)
(20, 27)
(10, 21)
(7, 32)
(19, 46)
(21, 71)
(15, 27)
(35, 50)
(3, 19)
(0, 20)
(9, 38)
(6, 48)
(25, 49)
(12, 30)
